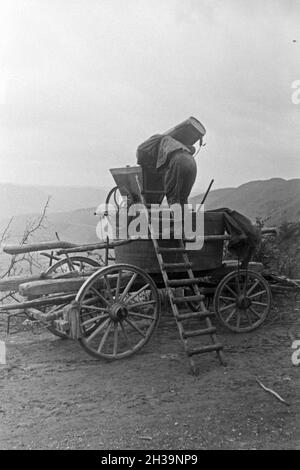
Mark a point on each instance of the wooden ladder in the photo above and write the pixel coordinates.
(181, 318)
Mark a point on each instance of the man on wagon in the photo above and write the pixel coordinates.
(173, 158)
(176, 162)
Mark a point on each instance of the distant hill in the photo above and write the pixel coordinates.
(276, 199)
(78, 226)
(24, 199)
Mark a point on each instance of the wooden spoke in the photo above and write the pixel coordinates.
(257, 294)
(143, 304)
(92, 307)
(135, 294)
(255, 312)
(125, 335)
(248, 317)
(127, 288)
(227, 298)
(105, 336)
(119, 280)
(238, 319)
(230, 315)
(97, 331)
(140, 315)
(237, 283)
(262, 304)
(56, 307)
(115, 350)
(227, 307)
(94, 319)
(230, 290)
(89, 301)
(101, 296)
(253, 287)
(135, 327)
(70, 264)
(108, 288)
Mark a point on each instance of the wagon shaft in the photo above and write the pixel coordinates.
(30, 248)
(55, 286)
(38, 303)
(12, 283)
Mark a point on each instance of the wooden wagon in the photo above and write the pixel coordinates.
(113, 310)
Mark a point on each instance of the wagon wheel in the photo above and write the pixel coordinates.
(72, 263)
(242, 300)
(119, 310)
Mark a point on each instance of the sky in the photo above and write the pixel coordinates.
(84, 82)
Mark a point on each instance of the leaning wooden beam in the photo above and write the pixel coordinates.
(55, 286)
(12, 283)
(55, 300)
(18, 249)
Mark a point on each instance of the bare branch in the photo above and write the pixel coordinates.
(5, 232)
(16, 261)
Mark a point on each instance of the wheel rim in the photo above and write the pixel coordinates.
(119, 310)
(242, 301)
(72, 263)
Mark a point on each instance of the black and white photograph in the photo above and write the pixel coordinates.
(149, 228)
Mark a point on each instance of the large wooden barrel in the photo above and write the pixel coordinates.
(141, 252)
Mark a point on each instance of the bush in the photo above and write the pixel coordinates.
(280, 254)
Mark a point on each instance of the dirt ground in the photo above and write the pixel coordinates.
(54, 396)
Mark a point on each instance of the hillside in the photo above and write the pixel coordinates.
(276, 199)
(78, 226)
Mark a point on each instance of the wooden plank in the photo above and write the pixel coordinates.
(12, 283)
(41, 246)
(46, 287)
(55, 300)
(56, 286)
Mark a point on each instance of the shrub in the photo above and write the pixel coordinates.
(281, 253)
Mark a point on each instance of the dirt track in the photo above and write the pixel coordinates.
(54, 396)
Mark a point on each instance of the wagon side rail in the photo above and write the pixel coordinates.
(34, 247)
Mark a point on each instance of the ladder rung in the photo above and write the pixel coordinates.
(198, 315)
(189, 239)
(205, 349)
(204, 331)
(176, 265)
(188, 298)
(162, 249)
(184, 282)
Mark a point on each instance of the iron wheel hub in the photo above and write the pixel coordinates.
(243, 302)
(118, 312)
